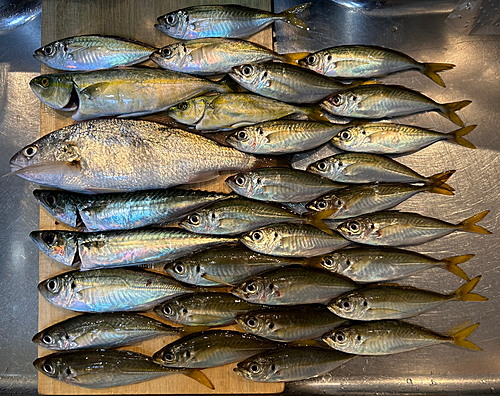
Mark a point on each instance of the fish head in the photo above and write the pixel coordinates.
(351, 137)
(351, 305)
(335, 262)
(188, 112)
(252, 77)
(314, 62)
(178, 354)
(203, 221)
(61, 246)
(330, 202)
(51, 338)
(262, 240)
(246, 184)
(53, 54)
(343, 339)
(57, 367)
(258, 368)
(185, 270)
(174, 24)
(55, 90)
(58, 290)
(172, 310)
(169, 57)
(60, 204)
(359, 229)
(257, 323)
(252, 290)
(341, 104)
(331, 167)
(249, 139)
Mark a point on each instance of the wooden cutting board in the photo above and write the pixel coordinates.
(133, 19)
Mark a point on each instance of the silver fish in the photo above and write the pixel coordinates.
(93, 52)
(124, 155)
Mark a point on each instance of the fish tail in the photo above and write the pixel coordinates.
(448, 111)
(458, 136)
(463, 293)
(228, 85)
(316, 220)
(469, 225)
(431, 70)
(290, 15)
(197, 375)
(315, 113)
(459, 337)
(438, 183)
(294, 57)
(451, 264)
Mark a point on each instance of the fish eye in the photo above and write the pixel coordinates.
(251, 287)
(336, 100)
(49, 238)
(257, 236)
(321, 205)
(45, 82)
(354, 226)
(255, 368)
(240, 181)
(340, 337)
(194, 219)
(166, 52)
(247, 70)
(46, 339)
(252, 322)
(49, 368)
(241, 135)
(30, 151)
(328, 261)
(167, 310)
(169, 357)
(346, 305)
(182, 106)
(179, 269)
(51, 201)
(171, 19)
(346, 135)
(47, 50)
(311, 59)
(53, 285)
(321, 166)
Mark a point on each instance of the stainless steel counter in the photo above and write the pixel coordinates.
(415, 27)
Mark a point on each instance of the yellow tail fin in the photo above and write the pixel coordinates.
(448, 111)
(469, 225)
(431, 69)
(316, 220)
(451, 264)
(458, 136)
(290, 15)
(459, 338)
(197, 375)
(438, 183)
(315, 113)
(294, 57)
(463, 293)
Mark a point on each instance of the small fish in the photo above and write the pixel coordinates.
(93, 52)
(368, 265)
(105, 369)
(114, 155)
(394, 228)
(386, 337)
(361, 199)
(388, 138)
(129, 92)
(289, 324)
(110, 290)
(123, 211)
(375, 101)
(285, 82)
(236, 110)
(107, 249)
(233, 21)
(224, 265)
(291, 364)
(111, 330)
(292, 286)
(204, 309)
(371, 168)
(211, 348)
(396, 302)
(291, 240)
(210, 56)
(281, 185)
(283, 136)
(368, 61)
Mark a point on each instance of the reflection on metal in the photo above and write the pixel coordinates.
(397, 7)
(16, 13)
(475, 17)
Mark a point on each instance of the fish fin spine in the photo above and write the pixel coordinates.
(431, 70)
(469, 225)
(451, 264)
(463, 293)
(290, 15)
(448, 110)
(458, 136)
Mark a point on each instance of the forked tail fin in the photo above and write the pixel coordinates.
(431, 70)
(451, 264)
(315, 113)
(316, 220)
(448, 110)
(438, 183)
(290, 15)
(459, 337)
(463, 293)
(458, 136)
(197, 375)
(469, 225)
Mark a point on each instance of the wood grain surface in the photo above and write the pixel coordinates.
(133, 19)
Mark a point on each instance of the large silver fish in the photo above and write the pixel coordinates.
(230, 20)
(124, 155)
(110, 290)
(120, 92)
(93, 52)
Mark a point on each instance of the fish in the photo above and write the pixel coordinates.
(283, 136)
(368, 61)
(234, 110)
(376, 101)
(286, 82)
(123, 211)
(225, 265)
(396, 302)
(293, 363)
(107, 330)
(281, 185)
(389, 138)
(113, 155)
(370, 168)
(129, 92)
(211, 348)
(392, 228)
(361, 199)
(386, 337)
(289, 324)
(110, 290)
(204, 309)
(93, 52)
(209, 56)
(290, 240)
(236, 216)
(232, 21)
(368, 265)
(108, 249)
(292, 286)
(105, 369)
